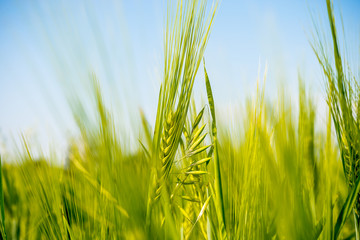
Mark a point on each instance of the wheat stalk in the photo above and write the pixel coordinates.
(341, 100)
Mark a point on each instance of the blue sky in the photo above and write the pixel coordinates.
(49, 48)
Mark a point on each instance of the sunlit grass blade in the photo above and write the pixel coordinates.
(347, 208)
(218, 185)
(202, 211)
(2, 207)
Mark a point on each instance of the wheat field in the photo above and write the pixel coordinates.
(275, 175)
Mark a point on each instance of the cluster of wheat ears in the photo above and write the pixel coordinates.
(274, 176)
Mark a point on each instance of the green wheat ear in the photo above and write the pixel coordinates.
(186, 35)
(341, 100)
(167, 150)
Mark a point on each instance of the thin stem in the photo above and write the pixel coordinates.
(357, 227)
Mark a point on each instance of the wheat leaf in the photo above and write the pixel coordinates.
(347, 208)
(202, 211)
